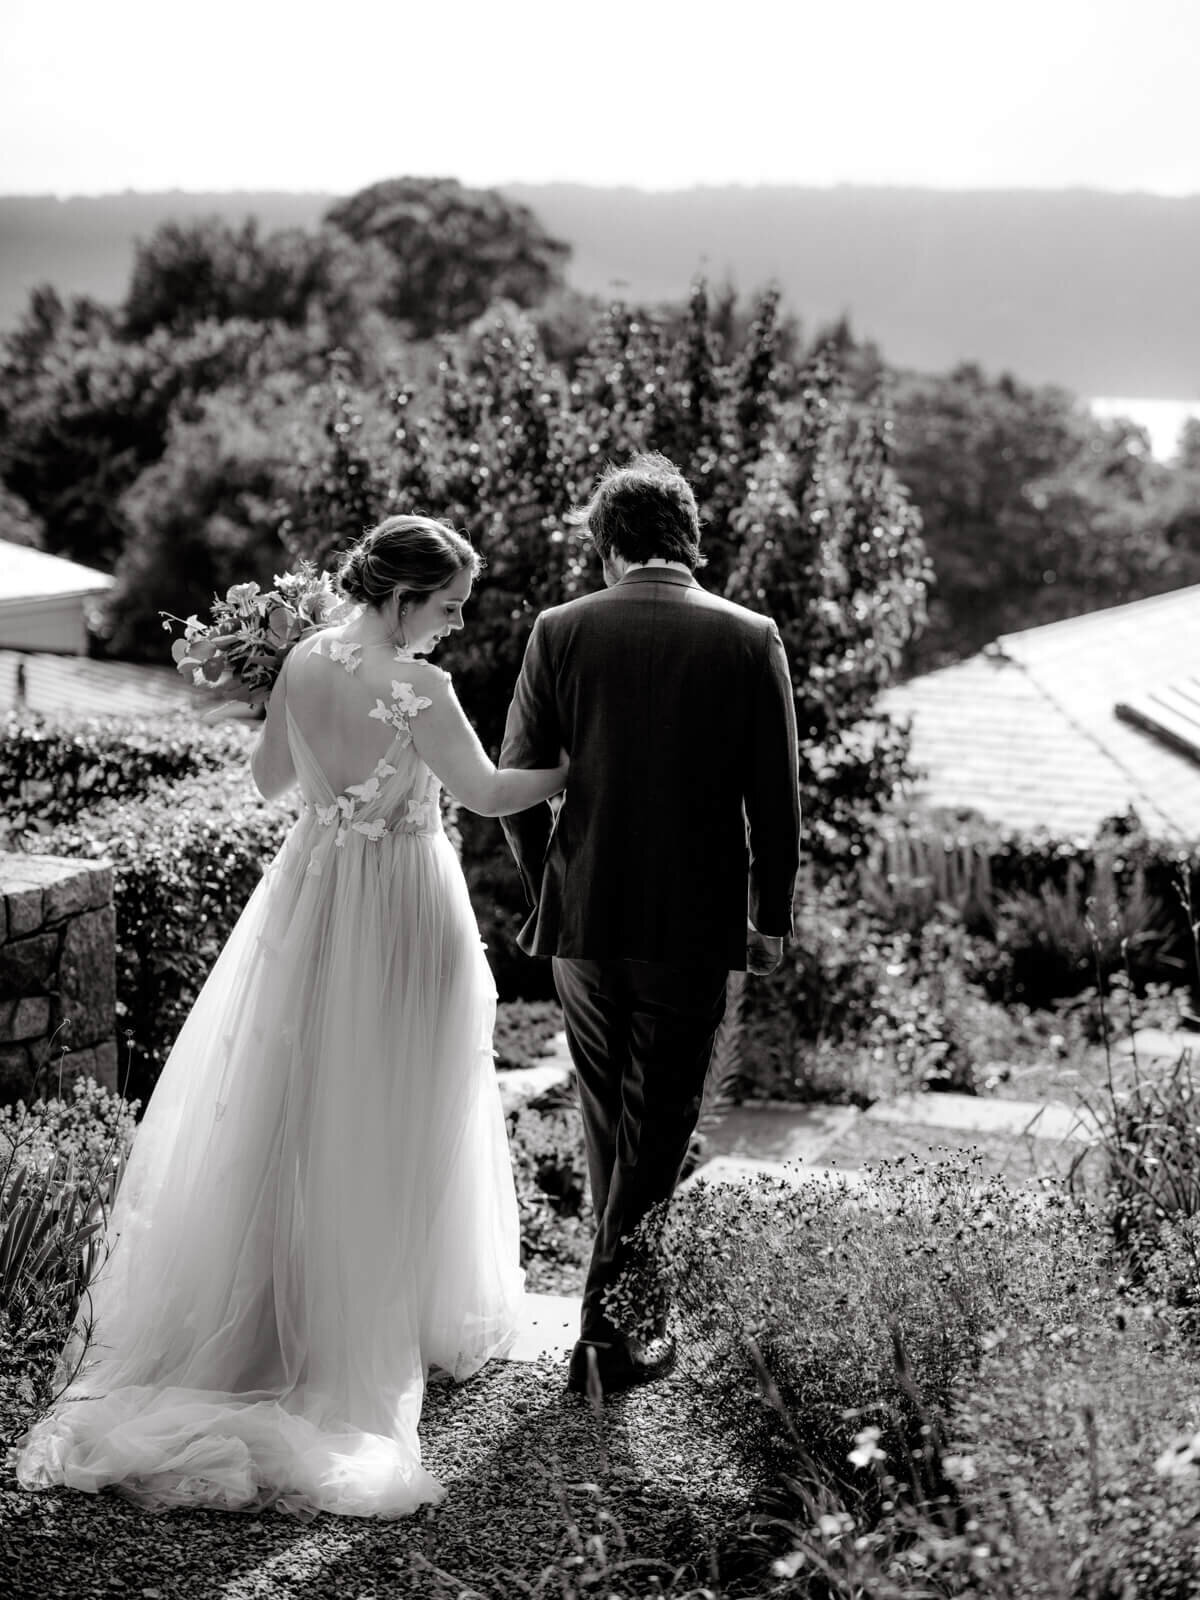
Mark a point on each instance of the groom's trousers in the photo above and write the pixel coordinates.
(641, 1037)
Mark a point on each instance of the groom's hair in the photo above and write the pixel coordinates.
(642, 511)
(405, 555)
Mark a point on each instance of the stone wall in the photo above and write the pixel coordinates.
(57, 973)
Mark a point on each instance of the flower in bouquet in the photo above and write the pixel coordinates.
(243, 646)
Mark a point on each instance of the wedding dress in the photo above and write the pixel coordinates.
(319, 1205)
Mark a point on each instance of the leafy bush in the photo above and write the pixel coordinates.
(186, 858)
(550, 1171)
(936, 1383)
(1076, 1449)
(1149, 1133)
(523, 1030)
(859, 1008)
(825, 1276)
(52, 767)
(1056, 940)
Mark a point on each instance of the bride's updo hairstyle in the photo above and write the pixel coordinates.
(405, 558)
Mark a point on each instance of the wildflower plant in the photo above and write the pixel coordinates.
(61, 1162)
(825, 1276)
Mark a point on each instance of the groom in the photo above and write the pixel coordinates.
(681, 812)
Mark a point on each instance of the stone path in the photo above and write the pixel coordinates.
(964, 1113)
(549, 1327)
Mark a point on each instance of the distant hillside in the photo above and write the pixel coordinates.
(1097, 291)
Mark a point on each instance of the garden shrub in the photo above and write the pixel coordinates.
(1077, 1448)
(523, 1030)
(938, 1383)
(1149, 1135)
(185, 858)
(825, 1277)
(53, 767)
(1058, 913)
(550, 1172)
(858, 1009)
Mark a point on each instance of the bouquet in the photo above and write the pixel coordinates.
(243, 647)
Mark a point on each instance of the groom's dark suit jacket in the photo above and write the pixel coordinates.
(681, 809)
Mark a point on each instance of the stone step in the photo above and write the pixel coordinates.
(1159, 1045)
(519, 1085)
(773, 1130)
(549, 1327)
(963, 1113)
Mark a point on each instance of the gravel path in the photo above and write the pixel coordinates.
(531, 1475)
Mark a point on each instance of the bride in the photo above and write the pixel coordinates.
(319, 1205)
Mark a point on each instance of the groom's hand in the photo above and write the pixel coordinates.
(764, 952)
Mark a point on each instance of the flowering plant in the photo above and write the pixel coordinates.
(243, 646)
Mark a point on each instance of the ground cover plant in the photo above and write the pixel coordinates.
(524, 1029)
(941, 1385)
(934, 1385)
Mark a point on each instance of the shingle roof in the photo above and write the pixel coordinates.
(1027, 732)
(94, 688)
(28, 574)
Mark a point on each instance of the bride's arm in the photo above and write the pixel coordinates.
(449, 746)
(271, 762)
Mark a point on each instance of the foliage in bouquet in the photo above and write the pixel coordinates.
(243, 647)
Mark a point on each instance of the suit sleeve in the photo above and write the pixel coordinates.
(772, 795)
(532, 738)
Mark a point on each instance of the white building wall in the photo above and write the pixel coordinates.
(55, 624)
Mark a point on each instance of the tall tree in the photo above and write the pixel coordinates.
(1032, 510)
(85, 416)
(192, 272)
(208, 513)
(803, 514)
(829, 545)
(453, 250)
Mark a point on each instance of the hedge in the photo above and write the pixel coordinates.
(186, 857)
(52, 767)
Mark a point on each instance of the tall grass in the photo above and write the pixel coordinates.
(61, 1163)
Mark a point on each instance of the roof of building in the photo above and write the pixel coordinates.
(1028, 732)
(29, 574)
(76, 684)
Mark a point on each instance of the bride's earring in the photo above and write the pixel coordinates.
(402, 641)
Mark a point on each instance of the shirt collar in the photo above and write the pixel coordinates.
(660, 572)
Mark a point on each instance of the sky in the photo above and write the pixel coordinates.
(258, 94)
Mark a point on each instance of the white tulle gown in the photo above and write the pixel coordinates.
(319, 1205)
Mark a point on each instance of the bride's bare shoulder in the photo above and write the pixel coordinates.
(403, 668)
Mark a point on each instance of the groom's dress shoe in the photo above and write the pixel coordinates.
(620, 1366)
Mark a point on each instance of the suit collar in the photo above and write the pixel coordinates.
(685, 580)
